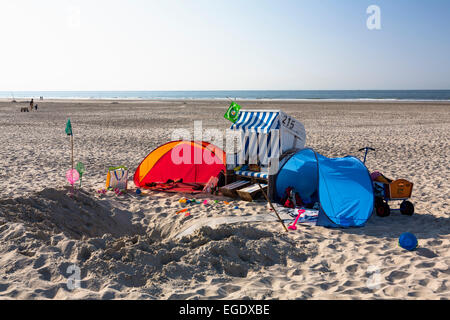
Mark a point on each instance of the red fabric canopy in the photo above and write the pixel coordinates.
(191, 162)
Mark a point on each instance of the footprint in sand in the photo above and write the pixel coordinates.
(351, 268)
(434, 243)
(39, 262)
(427, 253)
(395, 291)
(327, 285)
(45, 274)
(425, 265)
(4, 287)
(397, 275)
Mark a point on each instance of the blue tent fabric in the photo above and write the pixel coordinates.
(299, 172)
(343, 185)
(345, 192)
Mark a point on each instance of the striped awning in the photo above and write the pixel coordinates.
(262, 175)
(256, 121)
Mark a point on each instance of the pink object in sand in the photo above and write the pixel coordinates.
(293, 227)
(72, 176)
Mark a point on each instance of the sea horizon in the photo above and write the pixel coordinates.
(322, 95)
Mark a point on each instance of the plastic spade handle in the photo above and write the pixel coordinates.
(293, 227)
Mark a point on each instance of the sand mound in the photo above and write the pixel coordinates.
(55, 211)
(49, 231)
(226, 251)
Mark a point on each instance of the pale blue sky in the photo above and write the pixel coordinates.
(223, 45)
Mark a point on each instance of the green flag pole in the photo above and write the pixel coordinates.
(70, 133)
(71, 142)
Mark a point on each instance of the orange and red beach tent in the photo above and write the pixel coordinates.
(195, 162)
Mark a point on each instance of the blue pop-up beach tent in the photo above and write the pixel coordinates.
(342, 186)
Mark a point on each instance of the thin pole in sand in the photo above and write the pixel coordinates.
(71, 144)
(70, 133)
(271, 205)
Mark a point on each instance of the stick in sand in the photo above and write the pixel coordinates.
(70, 133)
(271, 205)
(71, 144)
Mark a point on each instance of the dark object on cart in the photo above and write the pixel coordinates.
(398, 190)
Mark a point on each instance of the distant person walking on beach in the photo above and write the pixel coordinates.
(31, 104)
(35, 107)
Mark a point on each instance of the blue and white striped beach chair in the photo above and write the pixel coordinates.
(265, 136)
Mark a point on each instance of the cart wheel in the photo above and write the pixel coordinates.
(407, 208)
(383, 209)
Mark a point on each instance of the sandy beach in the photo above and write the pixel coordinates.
(126, 247)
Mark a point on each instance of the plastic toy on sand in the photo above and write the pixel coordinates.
(408, 241)
(293, 227)
(81, 169)
(181, 211)
(72, 176)
(119, 192)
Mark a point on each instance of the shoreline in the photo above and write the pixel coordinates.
(288, 101)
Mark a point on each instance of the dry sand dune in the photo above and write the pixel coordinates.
(127, 247)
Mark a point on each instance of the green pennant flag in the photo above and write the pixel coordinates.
(232, 113)
(68, 128)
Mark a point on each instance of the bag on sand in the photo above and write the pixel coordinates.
(117, 178)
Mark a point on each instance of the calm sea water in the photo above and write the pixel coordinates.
(412, 95)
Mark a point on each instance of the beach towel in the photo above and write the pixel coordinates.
(177, 186)
(308, 217)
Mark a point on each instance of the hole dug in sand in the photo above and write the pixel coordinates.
(228, 250)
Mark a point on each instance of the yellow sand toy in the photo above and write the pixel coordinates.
(388, 190)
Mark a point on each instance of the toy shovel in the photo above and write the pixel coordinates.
(293, 227)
